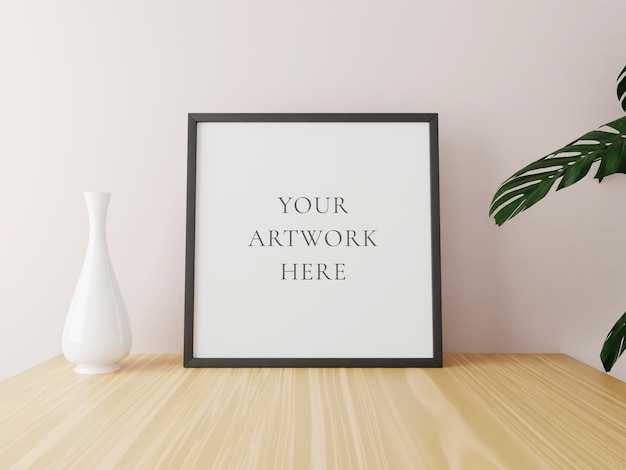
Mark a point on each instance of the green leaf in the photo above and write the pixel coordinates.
(614, 161)
(581, 149)
(614, 344)
(549, 161)
(577, 171)
(538, 192)
(509, 211)
(567, 165)
(599, 136)
(621, 88)
(619, 125)
(519, 181)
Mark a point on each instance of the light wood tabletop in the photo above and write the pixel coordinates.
(478, 412)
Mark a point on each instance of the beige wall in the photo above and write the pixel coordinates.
(94, 95)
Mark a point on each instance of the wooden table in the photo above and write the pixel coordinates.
(478, 412)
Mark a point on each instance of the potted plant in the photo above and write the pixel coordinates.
(567, 166)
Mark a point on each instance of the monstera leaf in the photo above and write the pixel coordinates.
(567, 165)
(614, 344)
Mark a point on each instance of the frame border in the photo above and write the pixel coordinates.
(188, 358)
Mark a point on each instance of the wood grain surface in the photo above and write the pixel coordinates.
(478, 412)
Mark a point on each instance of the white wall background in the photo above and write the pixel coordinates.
(94, 95)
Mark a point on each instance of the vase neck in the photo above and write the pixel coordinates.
(97, 205)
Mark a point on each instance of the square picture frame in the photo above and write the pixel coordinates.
(313, 240)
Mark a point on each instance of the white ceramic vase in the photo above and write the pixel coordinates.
(97, 330)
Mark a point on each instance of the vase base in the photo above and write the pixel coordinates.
(90, 369)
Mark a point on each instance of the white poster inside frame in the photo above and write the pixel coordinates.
(313, 240)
